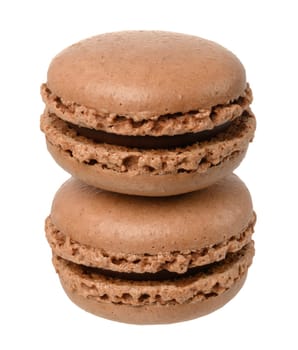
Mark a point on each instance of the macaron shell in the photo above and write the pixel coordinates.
(144, 73)
(211, 283)
(154, 314)
(144, 185)
(175, 261)
(167, 124)
(147, 172)
(142, 225)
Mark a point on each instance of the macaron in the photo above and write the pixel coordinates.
(149, 260)
(147, 113)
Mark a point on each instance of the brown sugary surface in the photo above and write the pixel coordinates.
(142, 225)
(210, 282)
(145, 74)
(176, 261)
(197, 157)
(157, 125)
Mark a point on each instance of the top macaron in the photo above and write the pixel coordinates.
(147, 112)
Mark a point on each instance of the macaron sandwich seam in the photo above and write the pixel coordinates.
(199, 156)
(135, 125)
(175, 261)
(212, 281)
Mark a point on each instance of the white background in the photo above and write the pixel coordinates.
(35, 313)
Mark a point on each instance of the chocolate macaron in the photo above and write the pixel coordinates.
(147, 113)
(152, 260)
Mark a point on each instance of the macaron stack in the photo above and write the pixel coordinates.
(153, 227)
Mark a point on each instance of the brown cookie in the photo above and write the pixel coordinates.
(151, 260)
(147, 113)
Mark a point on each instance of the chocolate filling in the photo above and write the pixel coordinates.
(149, 142)
(163, 275)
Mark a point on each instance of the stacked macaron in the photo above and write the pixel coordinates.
(153, 227)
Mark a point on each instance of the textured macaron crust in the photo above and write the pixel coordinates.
(185, 255)
(147, 113)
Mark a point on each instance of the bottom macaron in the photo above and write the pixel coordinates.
(152, 260)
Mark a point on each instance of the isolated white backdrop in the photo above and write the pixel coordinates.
(35, 313)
